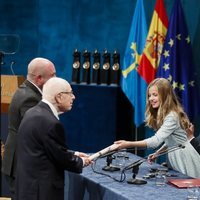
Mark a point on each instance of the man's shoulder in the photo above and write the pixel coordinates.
(195, 141)
(198, 139)
(42, 112)
(26, 91)
(28, 86)
(23, 99)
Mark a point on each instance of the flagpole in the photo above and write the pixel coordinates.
(136, 138)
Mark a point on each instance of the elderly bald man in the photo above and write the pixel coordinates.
(42, 153)
(28, 95)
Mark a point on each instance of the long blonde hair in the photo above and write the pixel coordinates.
(168, 102)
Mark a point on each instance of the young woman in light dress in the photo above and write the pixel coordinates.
(166, 116)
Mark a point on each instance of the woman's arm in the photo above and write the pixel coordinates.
(154, 155)
(122, 144)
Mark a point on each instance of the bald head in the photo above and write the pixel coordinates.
(40, 70)
(53, 87)
(58, 92)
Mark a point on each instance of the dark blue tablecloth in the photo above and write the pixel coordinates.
(92, 186)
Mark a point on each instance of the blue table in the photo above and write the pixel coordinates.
(92, 186)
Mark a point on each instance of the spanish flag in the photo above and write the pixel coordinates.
(154, 43)
(142, 56)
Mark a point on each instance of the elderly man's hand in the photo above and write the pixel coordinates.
(87, 161)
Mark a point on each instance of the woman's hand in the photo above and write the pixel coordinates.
(151, 158)
(122, 144)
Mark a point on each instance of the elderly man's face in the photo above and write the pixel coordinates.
(66, 99)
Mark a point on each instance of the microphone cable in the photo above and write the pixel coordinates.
(138, 162)
(122, 174)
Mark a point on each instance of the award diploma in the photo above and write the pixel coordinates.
(103, 151)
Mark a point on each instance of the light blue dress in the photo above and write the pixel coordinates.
(185, 160)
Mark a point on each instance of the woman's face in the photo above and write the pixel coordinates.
(153, 97)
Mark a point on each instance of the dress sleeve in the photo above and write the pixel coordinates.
(168, 127)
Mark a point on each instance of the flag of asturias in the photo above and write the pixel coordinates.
(140, 64)
(154, 43)
(176, 63)
(133, 86)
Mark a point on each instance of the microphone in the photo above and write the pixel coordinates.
(110, 157)
(135, 168)
(135, 165)
(11, 67)
(140, 161)
(174, 148)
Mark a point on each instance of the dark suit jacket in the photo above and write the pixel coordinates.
(26, 96)
(43, 156)
(196, 143)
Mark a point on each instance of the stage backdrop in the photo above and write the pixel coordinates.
(54, 29)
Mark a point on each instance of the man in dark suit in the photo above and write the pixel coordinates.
(195, 141)
(42, 153)
(27, 96)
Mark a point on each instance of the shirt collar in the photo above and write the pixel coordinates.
(53, 109)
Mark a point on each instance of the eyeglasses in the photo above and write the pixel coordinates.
(70, 93)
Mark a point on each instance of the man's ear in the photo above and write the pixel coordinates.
(39, 80)
(58, 98)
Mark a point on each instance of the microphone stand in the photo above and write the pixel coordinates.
(135, 165)
(134, 180)
(109, 167)
(135, 169)
(109, 157)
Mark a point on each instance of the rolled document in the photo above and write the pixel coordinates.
(103, 151)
